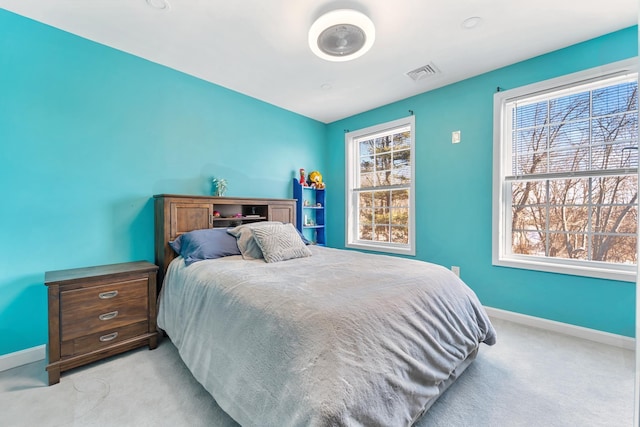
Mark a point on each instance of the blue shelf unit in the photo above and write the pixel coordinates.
(310, 212)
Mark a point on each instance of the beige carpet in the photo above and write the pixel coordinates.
(530, 378)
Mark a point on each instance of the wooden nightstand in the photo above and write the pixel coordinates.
(96, 312)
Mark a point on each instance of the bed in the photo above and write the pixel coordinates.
(324, 337)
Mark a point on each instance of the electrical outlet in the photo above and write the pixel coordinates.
(456, 270)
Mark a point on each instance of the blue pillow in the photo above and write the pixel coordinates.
(209, 243)
(304, 239)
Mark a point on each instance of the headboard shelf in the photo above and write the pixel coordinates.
(177, 214)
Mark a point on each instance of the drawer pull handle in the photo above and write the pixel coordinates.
(107, 295)
(108, 316)
(109, 337)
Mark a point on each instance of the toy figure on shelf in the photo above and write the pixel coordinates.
(303, 181)
(316, 180)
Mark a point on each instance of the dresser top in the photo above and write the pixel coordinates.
(74, 274)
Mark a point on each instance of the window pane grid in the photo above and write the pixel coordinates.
(385, 160)
(592, 218)
(383, 215)
(385, 167)
(380, 204)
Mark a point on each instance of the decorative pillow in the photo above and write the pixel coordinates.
(210, 243)
(280, 242)
(246, 243)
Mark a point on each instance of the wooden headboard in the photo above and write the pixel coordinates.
(176, 214)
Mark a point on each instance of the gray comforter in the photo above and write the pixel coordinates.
(338, 338)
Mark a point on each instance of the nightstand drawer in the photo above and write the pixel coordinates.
(77, 326)
(97, 298)
(87, 343)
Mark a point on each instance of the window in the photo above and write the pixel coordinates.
(566, 174)
(380, 187)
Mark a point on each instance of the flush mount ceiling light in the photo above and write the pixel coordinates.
(341, 35)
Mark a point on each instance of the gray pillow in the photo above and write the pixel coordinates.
(246, 243)
(280, 242)
(209, 243)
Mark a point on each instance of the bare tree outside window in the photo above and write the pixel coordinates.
(385, 163)
(380, 187)
(574, 189)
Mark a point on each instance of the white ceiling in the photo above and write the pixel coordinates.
(259, 47)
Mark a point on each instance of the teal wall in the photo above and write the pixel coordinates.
(454, 190)
(88, 134)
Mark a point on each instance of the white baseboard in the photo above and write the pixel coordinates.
(22, 357)
(564, 328)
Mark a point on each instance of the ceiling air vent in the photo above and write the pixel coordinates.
(424, 72)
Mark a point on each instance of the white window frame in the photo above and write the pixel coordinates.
(352, 168)
(501, 252)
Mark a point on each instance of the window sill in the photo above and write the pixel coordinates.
(624, 273)
(382, 248)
